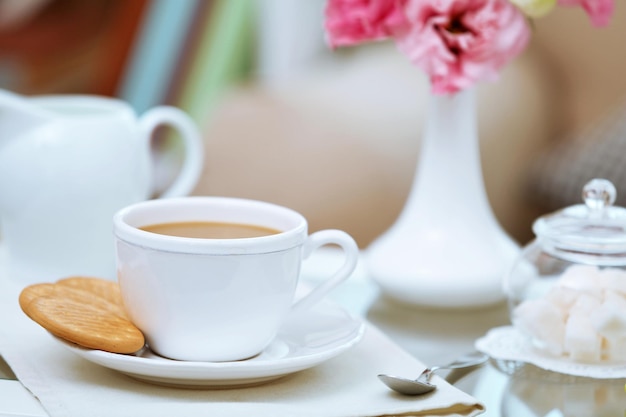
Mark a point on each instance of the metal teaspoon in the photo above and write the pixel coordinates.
(422, 385)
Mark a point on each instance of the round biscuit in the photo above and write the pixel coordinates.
(109, 290)
(86, 325)
(32, 292)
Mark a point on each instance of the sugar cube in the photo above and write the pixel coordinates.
(543, 321)
(581, 341)
(614, 279)
(563, 298)
(609, 319)
(584, 278)
(585, 303)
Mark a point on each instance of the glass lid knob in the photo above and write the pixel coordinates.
(599, 194)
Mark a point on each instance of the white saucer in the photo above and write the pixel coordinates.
(303, 342)
(507, 343)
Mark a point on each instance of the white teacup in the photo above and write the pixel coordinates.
(217, 299)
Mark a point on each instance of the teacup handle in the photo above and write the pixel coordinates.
(194, 150)
(351, 253)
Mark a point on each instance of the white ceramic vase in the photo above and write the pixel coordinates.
(446, 249)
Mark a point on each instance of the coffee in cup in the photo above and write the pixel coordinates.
(218, 298)
(210, 230)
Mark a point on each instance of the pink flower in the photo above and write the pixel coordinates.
(599, 11)
(349, 22)
(460, 42)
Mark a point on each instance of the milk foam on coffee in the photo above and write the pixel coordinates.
(582, 317)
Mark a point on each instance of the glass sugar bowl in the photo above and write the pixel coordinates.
(567, 289)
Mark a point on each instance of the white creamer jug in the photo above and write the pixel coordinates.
(67, 164)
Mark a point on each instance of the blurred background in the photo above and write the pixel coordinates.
(333, 134)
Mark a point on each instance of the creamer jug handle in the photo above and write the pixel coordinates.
(191, 168)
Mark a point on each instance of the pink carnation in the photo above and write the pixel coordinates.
(460, 42)
(456, 42)
(349, 22)
(599, 11)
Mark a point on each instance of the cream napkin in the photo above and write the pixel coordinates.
(345, 386)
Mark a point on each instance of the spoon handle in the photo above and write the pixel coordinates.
(456, 374)
(467, 362)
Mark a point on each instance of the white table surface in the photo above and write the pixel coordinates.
(433, 336)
